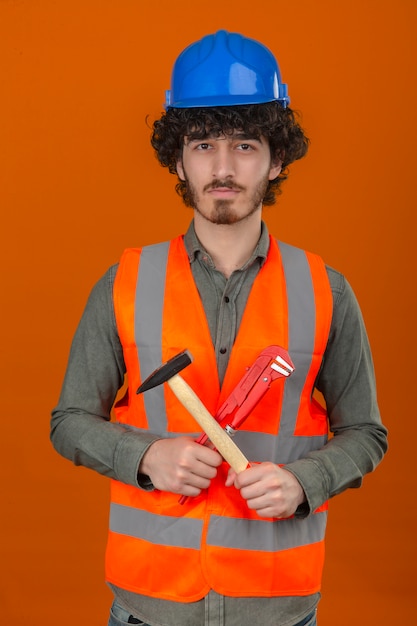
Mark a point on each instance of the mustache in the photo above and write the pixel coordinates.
(225, 184)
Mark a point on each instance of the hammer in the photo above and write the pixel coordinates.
(168, 373)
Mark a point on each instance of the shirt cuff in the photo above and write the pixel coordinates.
(314, 483)
(128, 456)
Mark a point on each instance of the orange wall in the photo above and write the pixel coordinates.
(78, 183)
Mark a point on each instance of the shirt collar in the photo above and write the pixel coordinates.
(195, 250)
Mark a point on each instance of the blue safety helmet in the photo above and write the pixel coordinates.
(225, 69)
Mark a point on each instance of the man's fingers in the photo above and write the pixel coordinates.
(207, 455)
(231, 477)
(179, 464)
(269, 490)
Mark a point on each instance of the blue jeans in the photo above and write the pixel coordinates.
(310, 620)
(120, 617)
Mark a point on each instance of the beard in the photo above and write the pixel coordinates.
(223, 211)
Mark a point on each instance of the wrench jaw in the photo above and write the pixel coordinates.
(282, 367)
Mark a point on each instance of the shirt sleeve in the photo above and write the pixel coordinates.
(81, 426)
(358, 440)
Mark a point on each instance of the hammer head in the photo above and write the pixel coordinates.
(166, 371)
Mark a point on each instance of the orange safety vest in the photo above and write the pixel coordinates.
(160, 548)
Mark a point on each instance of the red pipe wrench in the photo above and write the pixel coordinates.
(272, 363)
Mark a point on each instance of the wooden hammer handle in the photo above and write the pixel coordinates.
(220, 439)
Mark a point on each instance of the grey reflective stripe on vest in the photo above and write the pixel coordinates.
(245, 534)
(302, 329)
(159, 529)
(302, 334)
(149, 306)
(261, 447)
(240, 534)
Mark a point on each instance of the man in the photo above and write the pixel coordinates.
(245, 548)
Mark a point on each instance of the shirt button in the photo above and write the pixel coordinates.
(223, 350)
(226, 299)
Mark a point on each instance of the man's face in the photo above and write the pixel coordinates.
(226, 176)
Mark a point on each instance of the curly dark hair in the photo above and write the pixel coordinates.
(271, 120)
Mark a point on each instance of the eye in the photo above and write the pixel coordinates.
(202, 146)
(245, 147)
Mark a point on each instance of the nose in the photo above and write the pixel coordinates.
(223, 162)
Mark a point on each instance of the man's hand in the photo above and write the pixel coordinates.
(268, 489)
(180, 465)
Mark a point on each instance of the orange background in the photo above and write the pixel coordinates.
(78, 183)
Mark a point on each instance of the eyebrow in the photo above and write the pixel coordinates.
(234, 136)
(246, 136)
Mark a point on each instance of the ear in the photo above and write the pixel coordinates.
(180, 170)
(275, 169)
